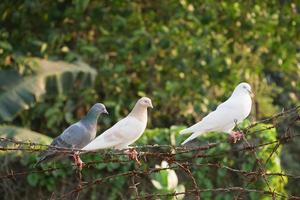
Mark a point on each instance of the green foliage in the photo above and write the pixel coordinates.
(50, 77)
(32, 179)
(166, 181)
(187, 56)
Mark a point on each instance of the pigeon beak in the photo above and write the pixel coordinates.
(151, 106)
(105, 112)
(251, 93)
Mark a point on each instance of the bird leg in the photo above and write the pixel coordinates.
(236, 136)
(133, 155)
(78, 162)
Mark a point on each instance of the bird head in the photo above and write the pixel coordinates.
(99, 107)
(245, 88)
(146, 102)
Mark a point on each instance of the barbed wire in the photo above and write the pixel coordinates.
(180, 158)
(33, 146)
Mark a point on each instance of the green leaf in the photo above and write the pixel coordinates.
(51, 77)
(81, 5)
(5, 45)
(33, 179)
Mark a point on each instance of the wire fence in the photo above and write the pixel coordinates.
(180, 158)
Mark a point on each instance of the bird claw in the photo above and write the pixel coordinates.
(236, 136)
(78, 162)
(133, 155)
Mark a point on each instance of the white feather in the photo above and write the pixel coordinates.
(119, 136)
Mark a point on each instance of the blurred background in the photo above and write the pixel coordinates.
(57, 58)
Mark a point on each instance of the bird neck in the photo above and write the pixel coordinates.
(139, 112)
(91, 117)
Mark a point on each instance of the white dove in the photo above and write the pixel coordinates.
(231, 112)
(125, 132)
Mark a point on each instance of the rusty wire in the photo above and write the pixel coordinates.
(170, 154)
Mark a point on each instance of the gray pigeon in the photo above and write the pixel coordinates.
(76, 136)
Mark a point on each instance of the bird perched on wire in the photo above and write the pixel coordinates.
(227, 115)
(75, 136)
(124, 132)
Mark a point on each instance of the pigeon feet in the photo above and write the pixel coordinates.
(236, 136)
(78, 162)
(133, 155)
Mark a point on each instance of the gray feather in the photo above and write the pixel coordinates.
(75, 136)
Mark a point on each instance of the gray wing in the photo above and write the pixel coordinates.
(75, 136)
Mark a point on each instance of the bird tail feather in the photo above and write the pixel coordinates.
(195, 128)
(45, 156)
(42, 159)
(193, 136)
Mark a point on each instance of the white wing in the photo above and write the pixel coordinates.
(126, 131)
(221, 117)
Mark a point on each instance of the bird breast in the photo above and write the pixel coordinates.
(135, 128)
(244, 104)
(90, 130)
